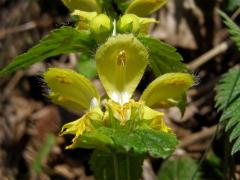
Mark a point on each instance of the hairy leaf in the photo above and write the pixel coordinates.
(163, 57)
(233, 28)
(60, 41)
(228, 101)
(181, 168)
(156, 143)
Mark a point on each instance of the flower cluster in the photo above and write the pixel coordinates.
(121, 62)
(91, 16)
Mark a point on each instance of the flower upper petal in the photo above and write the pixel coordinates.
(84, 5)
(167, 87)
(144, 7)
(71, 89)
(121, 62)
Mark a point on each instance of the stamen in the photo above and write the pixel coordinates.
(121, 58)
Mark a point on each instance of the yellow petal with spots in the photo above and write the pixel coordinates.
(121, 62)
(71, 89)
(168, 87)
(144, 7)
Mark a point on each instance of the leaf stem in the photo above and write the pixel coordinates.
(115, 162)
(128, 167)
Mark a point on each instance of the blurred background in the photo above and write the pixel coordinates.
(30, 147)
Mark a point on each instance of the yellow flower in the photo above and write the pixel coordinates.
(121, 62)
(144, 7)
(84, 5)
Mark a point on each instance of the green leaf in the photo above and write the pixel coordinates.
(163, 57)
(180, 169)
(141, 141)
(228, 101)
(233, 28)
(233, 5)
(87, 66)
(99, 139)
(182, 103)
(116, 166)
(214, 163)
(60, 41)
(158, 144)
(42, 153)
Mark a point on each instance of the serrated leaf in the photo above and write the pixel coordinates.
(163, 57)
(236, 146)
(232, 5)
(180, 169)
(60, 41)
(156, 143)
(98, 139)
(233, 28)
(228, 101)
(122, 166)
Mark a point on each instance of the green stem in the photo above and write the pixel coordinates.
(128, 166)
(116, 166)
(115, 162)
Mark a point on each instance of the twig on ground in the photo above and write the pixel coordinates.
(206, 133)
(209, 55)
(11, 85)
(25, 27)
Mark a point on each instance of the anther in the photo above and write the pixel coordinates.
(121, 58)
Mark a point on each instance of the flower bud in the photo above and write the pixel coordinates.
(101, 27)
(145, 24)
(85, 5)
(128, 23)
(144, 7)
(84, 18)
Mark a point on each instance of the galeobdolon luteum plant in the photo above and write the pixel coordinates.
(121, 130)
